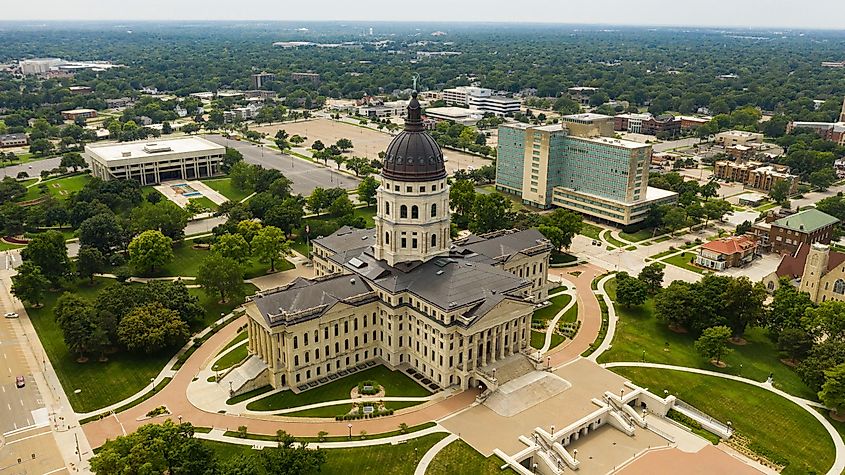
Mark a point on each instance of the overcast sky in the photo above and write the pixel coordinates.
(829, 14)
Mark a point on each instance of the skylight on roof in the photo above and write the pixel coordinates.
(356, 263)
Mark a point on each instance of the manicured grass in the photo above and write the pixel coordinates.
(5, 246)
(661, 239)
(545, 314)
(242, 335)
(562, 258)
(459, 458)
(590, 230)
(394, 383)
(557, 289)
(772, 424)
(639, 332)
(249, 394)
(538, 339)
(638, 236)
(683, 261)
(100, 384)
(570, 316)
(231, 358)
(187, 261)
(214, 309)
(663, 254)
(399, 459)
(61, 188)
(337, 438)
(225, 188)
(765, 207)
(612, 240)
(125, 373)
(205, 203)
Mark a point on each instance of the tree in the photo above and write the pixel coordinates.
(675, 218)
(780, 192)
(338, 159)
(286, 215)
(822, 179)
(742, 304)
(102, 232)
(89, 261)
(151, 328)
(48, 251)
(220, 275)
(713, 343)
(317, 200)
(652, 276)
(341, 206)
(156, 448)
(565, 224)
(29, 284)
(826, 321)
(489, 213)
(677, 304)
(462, 197)
(715, 209)
(787, 308)
(41, 147)
(794, 343)
(344, 144)
(72, 160)
(832, 394)
(164, 216)
(149, 250)
(630, 291)
(230, 158)
(77, 320)
(233, 246)
(269, 244)
(367, 190)
(248, 228)
(318, 145)
(554, 235)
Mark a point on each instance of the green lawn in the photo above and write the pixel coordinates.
(60, 188)
(639, 332)
(205, 203)
(545, 314)
(612, 240)
(187, 260)
(772, 424)
(5, 246)
(125, 373)
(459, 458)
(242, 336)
(231, 358)
(394, 383)
(538, 339)
(225, 188)
(683, 261)
(638, 236)
(385, 459)
(562, 258)
(570, 316)
(590, 230)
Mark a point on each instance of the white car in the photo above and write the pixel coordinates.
(11, 315)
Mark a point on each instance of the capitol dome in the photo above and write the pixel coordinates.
(413, 155)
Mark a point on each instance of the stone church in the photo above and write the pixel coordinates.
(403, 294)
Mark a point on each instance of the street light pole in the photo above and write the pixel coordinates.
(350, 430)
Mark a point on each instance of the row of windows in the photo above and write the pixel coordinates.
(316, 333)
(410, 189)
(415, 211)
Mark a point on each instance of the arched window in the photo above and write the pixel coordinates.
(403, 211)
(295, 343)
(433, 240)
(771, 285)
(387, 237)
(839, 287)
(415, 212)
(296, 360)
(387, 207)
(434, 210)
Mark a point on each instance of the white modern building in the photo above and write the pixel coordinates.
(149, 163)
(499, 105)
(459, 96)
(38, 65)
(458, 115)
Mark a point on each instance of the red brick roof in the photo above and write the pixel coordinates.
(732, 245)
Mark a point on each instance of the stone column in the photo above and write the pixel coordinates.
(251, 330)
(494, 339)
(483, 356)
(502, 341)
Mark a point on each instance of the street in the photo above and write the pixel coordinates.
(304, 175)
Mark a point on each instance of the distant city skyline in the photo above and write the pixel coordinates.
(820, 14)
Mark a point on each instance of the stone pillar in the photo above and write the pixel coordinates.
(483, 356)
(502, 341)
(251, 329)
(494, 339)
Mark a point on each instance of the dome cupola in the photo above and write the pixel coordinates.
(413, 155)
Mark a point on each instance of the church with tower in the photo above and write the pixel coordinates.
(405, 294)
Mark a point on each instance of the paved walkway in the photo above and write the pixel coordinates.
(838, 464)
(432, 452)
(612, 319)
(219, 436)
(588, 312)
(552, 325)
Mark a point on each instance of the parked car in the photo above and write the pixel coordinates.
(20, 381)
(11, 315)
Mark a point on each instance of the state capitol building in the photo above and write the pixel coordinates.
(403, 294)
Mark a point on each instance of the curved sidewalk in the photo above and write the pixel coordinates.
(589, 313)
(838, 464)
(432, 452)
(612, 318)
(174, 396)
(550, 328)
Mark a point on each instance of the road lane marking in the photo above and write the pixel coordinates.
(54, 471)
(29, 437)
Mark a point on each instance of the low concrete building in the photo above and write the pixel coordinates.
(752, 199)
(149, 163)
(498, 105)
(735, 251)
(79, 114)
(738, 137)
(458, 115)
(13, 140)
